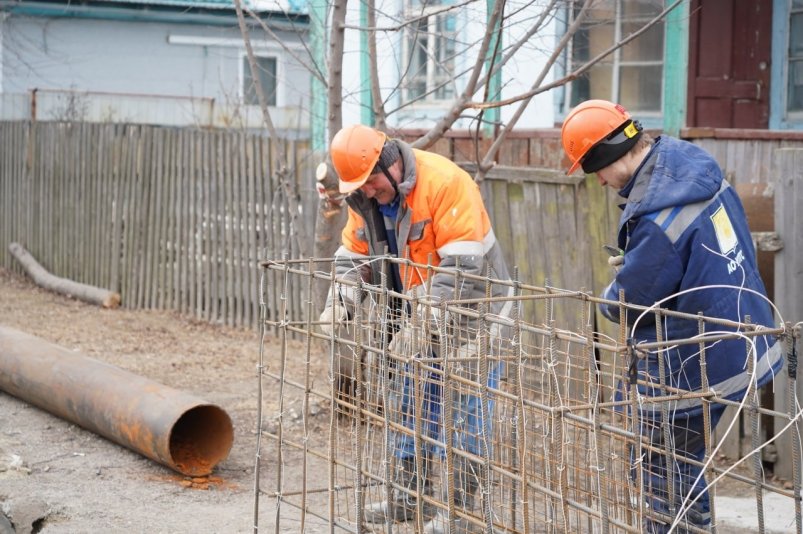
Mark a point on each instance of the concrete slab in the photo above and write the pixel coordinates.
(739, 515)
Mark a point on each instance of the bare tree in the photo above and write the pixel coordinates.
(474, 97)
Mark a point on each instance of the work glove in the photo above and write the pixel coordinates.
(402, 340)
(432, 316)
(437, 318)
(335, 312)
(427, 320)
(616, 262)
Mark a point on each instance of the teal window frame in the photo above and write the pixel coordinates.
(429, 74)
(652, 120)
(779, 70)
(676, 53)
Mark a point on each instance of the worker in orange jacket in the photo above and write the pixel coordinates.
(421, 206)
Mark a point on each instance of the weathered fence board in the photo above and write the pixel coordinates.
(789, 284)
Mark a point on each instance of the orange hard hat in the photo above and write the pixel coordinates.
(601, 125)
(355, 150)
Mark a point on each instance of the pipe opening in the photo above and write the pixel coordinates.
(201, 438)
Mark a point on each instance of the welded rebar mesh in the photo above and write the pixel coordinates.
(510, 423)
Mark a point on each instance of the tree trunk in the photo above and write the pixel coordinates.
(332, 214)
(87, 293)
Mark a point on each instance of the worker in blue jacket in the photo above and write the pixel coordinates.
(685, 246)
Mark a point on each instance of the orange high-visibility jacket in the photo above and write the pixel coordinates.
(441, 220)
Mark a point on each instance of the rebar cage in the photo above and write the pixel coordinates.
(532, 420)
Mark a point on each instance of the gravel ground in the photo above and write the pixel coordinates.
(56, 477)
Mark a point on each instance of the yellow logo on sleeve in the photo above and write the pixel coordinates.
(726, 235)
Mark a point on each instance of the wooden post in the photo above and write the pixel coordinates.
(789, 184)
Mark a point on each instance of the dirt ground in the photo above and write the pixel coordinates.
(56, 477)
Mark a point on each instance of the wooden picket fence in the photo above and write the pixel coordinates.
(169, 218)
(179, 218)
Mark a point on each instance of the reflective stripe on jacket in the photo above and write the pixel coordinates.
(442, 220)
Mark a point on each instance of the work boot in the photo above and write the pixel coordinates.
(403, 504)
(466, 481)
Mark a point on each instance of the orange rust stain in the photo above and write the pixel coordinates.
(189, 460)
(199, 483)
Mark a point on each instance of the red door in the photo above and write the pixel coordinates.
(729, 63)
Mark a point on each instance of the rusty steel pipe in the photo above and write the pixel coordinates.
(166, 425)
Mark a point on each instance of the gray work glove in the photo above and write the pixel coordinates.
(434, 316)
(616, 262)
(335, 312)
(402, 340)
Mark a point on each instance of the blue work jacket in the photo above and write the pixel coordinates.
(683, 227)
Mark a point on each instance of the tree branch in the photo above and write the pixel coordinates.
(376, 93)
(582, 69)
(280, 161)
(459, 105)
(311, 66)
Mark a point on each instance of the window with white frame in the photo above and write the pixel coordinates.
(633, 74)
(429, 49)
(266, 71)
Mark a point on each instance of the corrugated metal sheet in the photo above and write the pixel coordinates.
(259, 5)
(205, 4)
(275, 6)
(203, 12)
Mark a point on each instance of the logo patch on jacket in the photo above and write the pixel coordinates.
(726, 236)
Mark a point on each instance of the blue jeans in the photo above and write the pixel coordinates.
(687, 440)
(470, 431)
